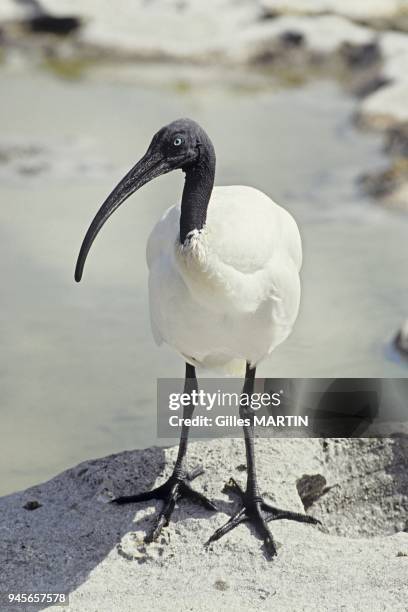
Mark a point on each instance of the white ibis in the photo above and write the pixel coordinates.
(224, 292)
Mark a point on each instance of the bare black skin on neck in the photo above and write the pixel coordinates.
(198, 187)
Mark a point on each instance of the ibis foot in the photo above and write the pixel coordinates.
(258, 513)
(176, 487)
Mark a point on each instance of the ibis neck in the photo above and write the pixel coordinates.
(197, 191)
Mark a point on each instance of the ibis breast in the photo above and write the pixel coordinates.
(231, 293)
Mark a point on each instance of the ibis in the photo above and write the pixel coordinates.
(224, 292)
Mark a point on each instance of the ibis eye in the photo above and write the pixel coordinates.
(178, 141)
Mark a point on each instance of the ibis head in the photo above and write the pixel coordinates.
(177, 145)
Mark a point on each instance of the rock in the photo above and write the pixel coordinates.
(323, 35)
(78, 543)
(389, 186)
(34, 15)
(380, 183)
(353, 9)
(398, 199)
(167, 29)
(385, 107)
(394, 49)
(61, 26)
(367, 84)
(394, 194)
(311, 488)
(396, 140)
(360, 55)
(401, 340)
(11, 10)
(327, 33)
(33, 504)
(178, 30)
(292, 38)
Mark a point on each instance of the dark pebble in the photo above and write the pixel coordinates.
(32, 505)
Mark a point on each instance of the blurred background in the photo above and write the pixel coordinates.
(306, 100)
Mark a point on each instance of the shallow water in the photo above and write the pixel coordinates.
(78, 365)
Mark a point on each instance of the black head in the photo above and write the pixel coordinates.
(178, 145)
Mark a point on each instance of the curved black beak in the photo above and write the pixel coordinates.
(148, 168)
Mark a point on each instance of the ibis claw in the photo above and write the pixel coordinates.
(257, 512)
(171, 491)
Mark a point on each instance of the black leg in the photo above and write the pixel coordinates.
(177, 486)
(254, 507)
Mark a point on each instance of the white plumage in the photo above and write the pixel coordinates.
(231, 293)
(224, 291)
